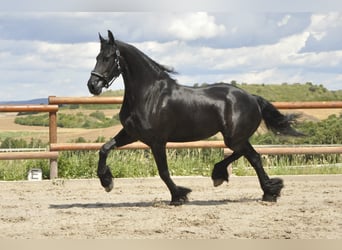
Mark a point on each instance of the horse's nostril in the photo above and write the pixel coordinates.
(91, 87)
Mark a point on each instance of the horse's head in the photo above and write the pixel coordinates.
(107, 67)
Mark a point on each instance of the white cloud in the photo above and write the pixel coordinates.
(271, 63)
(38, 55)
(193, 26)
(321, 22)
(33, 69)
(53, 53)
(325, 32)
(284, 20)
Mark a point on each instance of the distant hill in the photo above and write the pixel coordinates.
(293, 92)
(26, 102)
(290, 92)
(272, 92)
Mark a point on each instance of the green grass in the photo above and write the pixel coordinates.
(20, 134)
(185, 162)
(293, 165)
(139, 163)
(18, 169)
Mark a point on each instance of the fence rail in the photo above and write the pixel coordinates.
(28, 108)
(119, 100)
(23, 150)
(261, 149)
(29, 155)
(86, 100)
(136, 145)
(308, 105)
(53, 107)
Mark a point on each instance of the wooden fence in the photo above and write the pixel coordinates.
(55, 147)
(52, 155)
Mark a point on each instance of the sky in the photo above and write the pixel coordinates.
(45, 53)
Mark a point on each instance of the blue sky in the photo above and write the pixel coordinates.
(52, 52)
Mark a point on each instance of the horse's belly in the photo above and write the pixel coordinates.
(193, 132)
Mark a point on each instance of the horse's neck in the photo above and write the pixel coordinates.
(138, 76)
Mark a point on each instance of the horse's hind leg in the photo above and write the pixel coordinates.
(103, 171)
(271, 187)
(220, 173)
(178, 194)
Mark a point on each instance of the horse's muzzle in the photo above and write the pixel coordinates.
(95, 87)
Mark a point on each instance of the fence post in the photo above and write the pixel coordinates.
(53, 139)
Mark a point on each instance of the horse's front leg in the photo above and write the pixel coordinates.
(103, 171)
(178, 194)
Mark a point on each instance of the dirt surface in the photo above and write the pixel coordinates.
(310, 208)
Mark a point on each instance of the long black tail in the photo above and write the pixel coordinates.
(277, 122)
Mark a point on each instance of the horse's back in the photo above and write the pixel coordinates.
(198, 113)
(235, 99)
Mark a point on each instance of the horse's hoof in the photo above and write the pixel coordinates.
(219, 175)
(180, 201)
(272, 189)
(180, 197)
(106, 179)
(269, 198)
(218, 182)
(110, 187)
(177, 203)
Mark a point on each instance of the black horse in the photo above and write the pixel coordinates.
(157, 110)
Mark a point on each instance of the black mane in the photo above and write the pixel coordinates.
(156, 66)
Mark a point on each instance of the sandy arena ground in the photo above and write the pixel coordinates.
(310, 208)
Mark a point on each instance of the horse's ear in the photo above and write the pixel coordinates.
(111, 37)
(101, 38)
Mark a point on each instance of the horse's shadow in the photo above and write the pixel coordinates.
(101, 205)
(162, 203)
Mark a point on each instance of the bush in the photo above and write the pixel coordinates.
(327, 131)
(33, 120)
(79, 120)
(13, 143)
(98, 115)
